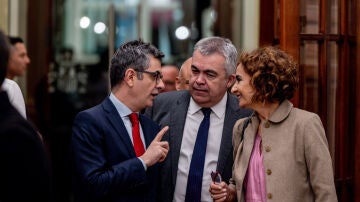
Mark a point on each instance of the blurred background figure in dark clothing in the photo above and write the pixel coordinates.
(24, 171)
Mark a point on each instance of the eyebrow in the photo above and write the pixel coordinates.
(206, 70)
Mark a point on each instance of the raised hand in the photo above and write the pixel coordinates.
(157, 150)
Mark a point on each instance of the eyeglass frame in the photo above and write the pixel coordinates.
(156, 74)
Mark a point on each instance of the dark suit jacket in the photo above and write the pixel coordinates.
(171, 109)
(105, 165)
(24, 170)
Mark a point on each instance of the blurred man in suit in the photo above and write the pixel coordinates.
(114, 147)
(212, 73)
(24, 170)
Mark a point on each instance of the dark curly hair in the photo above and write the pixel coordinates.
(133, 54)
(273, 72)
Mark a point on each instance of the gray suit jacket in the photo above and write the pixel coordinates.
(171, 109)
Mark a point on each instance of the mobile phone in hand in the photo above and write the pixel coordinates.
(216, 177)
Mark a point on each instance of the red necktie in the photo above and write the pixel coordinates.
(138, 144)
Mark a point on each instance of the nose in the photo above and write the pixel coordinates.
(234, 88)
(160, 85)
(200, 79)
(27, 60)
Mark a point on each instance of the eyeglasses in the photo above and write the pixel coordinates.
(157, 74)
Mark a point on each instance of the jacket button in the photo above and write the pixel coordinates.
(267, 148)
(267, 124)
(269, 196)
(268, 171)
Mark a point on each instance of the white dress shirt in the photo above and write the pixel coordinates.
(194, 117)
(15, 96)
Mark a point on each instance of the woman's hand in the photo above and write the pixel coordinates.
(221, 192)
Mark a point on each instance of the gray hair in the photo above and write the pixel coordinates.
(222, 46)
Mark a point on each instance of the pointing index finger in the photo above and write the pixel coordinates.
(161, 133)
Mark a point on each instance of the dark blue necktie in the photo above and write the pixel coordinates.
(194, 183)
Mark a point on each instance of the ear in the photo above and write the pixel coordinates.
(230, 81)
(177, 83)
(130, 77)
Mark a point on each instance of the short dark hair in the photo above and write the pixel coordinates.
(15, 39)
(4, 56)
(273, 73)
(133, 54)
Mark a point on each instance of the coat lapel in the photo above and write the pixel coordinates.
(177, 123)
(226, 140)
(117, 123)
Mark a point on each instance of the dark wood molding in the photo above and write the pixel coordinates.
(39, 45)
(289, 33)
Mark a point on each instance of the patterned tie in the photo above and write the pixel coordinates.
(138, 144)
(194, 183)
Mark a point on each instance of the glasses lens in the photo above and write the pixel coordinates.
(157, 76)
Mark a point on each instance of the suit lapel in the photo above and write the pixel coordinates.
(226, 148)
(117, 123)
(177, 123)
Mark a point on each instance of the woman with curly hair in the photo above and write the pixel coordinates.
(280, 152)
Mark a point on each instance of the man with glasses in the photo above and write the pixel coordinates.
(115, 148)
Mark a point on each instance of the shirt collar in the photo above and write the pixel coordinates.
(121, 108)
(218, 109)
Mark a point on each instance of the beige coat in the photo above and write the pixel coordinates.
(297, 161)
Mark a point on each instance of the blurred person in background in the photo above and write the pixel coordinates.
(24, 170)
(169, 73)
(18, 60)
(182, 80)
(17, 65)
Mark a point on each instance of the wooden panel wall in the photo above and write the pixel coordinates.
(39, 43)
(357, 110)
(4, 15)
(289, 32)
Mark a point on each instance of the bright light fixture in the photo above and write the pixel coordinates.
(182, 33)
(99, 27)
(84, 22)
